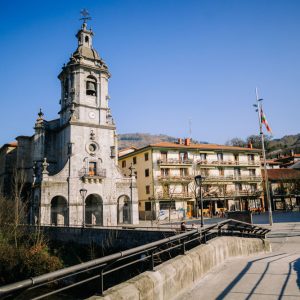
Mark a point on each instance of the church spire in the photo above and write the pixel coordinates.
(84, 35)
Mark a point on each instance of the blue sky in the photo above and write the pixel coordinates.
(171, 61)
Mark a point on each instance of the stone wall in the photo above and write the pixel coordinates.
(176, 275)
(112, 238)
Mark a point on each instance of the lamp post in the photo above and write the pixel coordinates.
(83, 194)
(198, 181)
(131, 168)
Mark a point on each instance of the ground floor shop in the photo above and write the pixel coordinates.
(179, 209)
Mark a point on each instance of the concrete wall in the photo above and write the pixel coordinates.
(175, 276)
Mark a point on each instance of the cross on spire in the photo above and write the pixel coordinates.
(85, 15)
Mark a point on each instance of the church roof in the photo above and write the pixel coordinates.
(86, 52)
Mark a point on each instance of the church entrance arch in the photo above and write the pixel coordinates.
(59, 211)
(93, 210)
(123, 209)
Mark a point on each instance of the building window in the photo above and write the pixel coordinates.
(253, 187)
(185, 189)
(204, 172)
(147, 173)
(165, 172)
(236, 157)
(251, 157)
(134, 160)
(146, 156)
(148, 206)
(164, 205)
(135, 174)
(164, 156)
(238, 187)
(237, 172)
(183, 156)
(124, 164)
(147, 189)
(252, 172)
(92, 168)
(221, 171)
(203, 156)
(220, 156)
(184, 172)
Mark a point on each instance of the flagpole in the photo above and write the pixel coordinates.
(259, 109)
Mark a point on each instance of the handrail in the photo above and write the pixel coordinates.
(182, 239)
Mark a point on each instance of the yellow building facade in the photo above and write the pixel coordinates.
(165, 175)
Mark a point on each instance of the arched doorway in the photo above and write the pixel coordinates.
(59, 211)
(123, 209)
(93, 210)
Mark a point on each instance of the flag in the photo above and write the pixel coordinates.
(264, 121)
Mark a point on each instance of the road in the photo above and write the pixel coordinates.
(274, 275)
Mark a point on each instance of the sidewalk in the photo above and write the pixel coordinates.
(274, 275)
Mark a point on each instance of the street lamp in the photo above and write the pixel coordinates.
(83, 194)
(131, 168)
(198, 180)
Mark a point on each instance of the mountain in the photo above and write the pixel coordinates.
(139, 140)
(285, 144)
(274, 147)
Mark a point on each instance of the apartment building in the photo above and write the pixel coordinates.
(165, 178)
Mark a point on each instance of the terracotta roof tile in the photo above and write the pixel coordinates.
(282, 174)
(202, 146)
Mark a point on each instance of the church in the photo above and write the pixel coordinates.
(71, 163)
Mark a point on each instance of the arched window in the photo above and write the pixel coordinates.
(91, 86)
(86, 39)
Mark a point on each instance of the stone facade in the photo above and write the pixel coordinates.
(71, 162)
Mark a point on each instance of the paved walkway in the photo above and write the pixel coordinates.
(274, 275)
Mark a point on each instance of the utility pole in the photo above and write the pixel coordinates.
(258, 106)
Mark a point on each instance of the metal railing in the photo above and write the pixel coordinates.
(174, 161)
(149, 255)
(169, 195)
(232, 178)
(101, 173)
(175, 178)
(228, 162)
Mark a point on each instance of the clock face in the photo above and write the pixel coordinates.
(92, 115)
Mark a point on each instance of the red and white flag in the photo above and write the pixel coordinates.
(264, 121)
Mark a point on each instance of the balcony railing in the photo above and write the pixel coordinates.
(232, 178)
(100, 173)
(174, 161)
(169, 195)
(175, 178)
(227, 163)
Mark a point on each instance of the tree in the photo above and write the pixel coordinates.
(237, 142)
(255, 140)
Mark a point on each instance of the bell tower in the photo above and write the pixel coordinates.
(84, 84)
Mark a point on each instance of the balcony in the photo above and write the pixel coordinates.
(174, 196)
(227, 163)
(178, 162)
(171, 178)
(92, 176)
(232, 178)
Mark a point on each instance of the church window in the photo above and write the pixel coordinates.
(86, 39)
(91, 87)
(92, 147)
(124, 164)
(92, 168)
